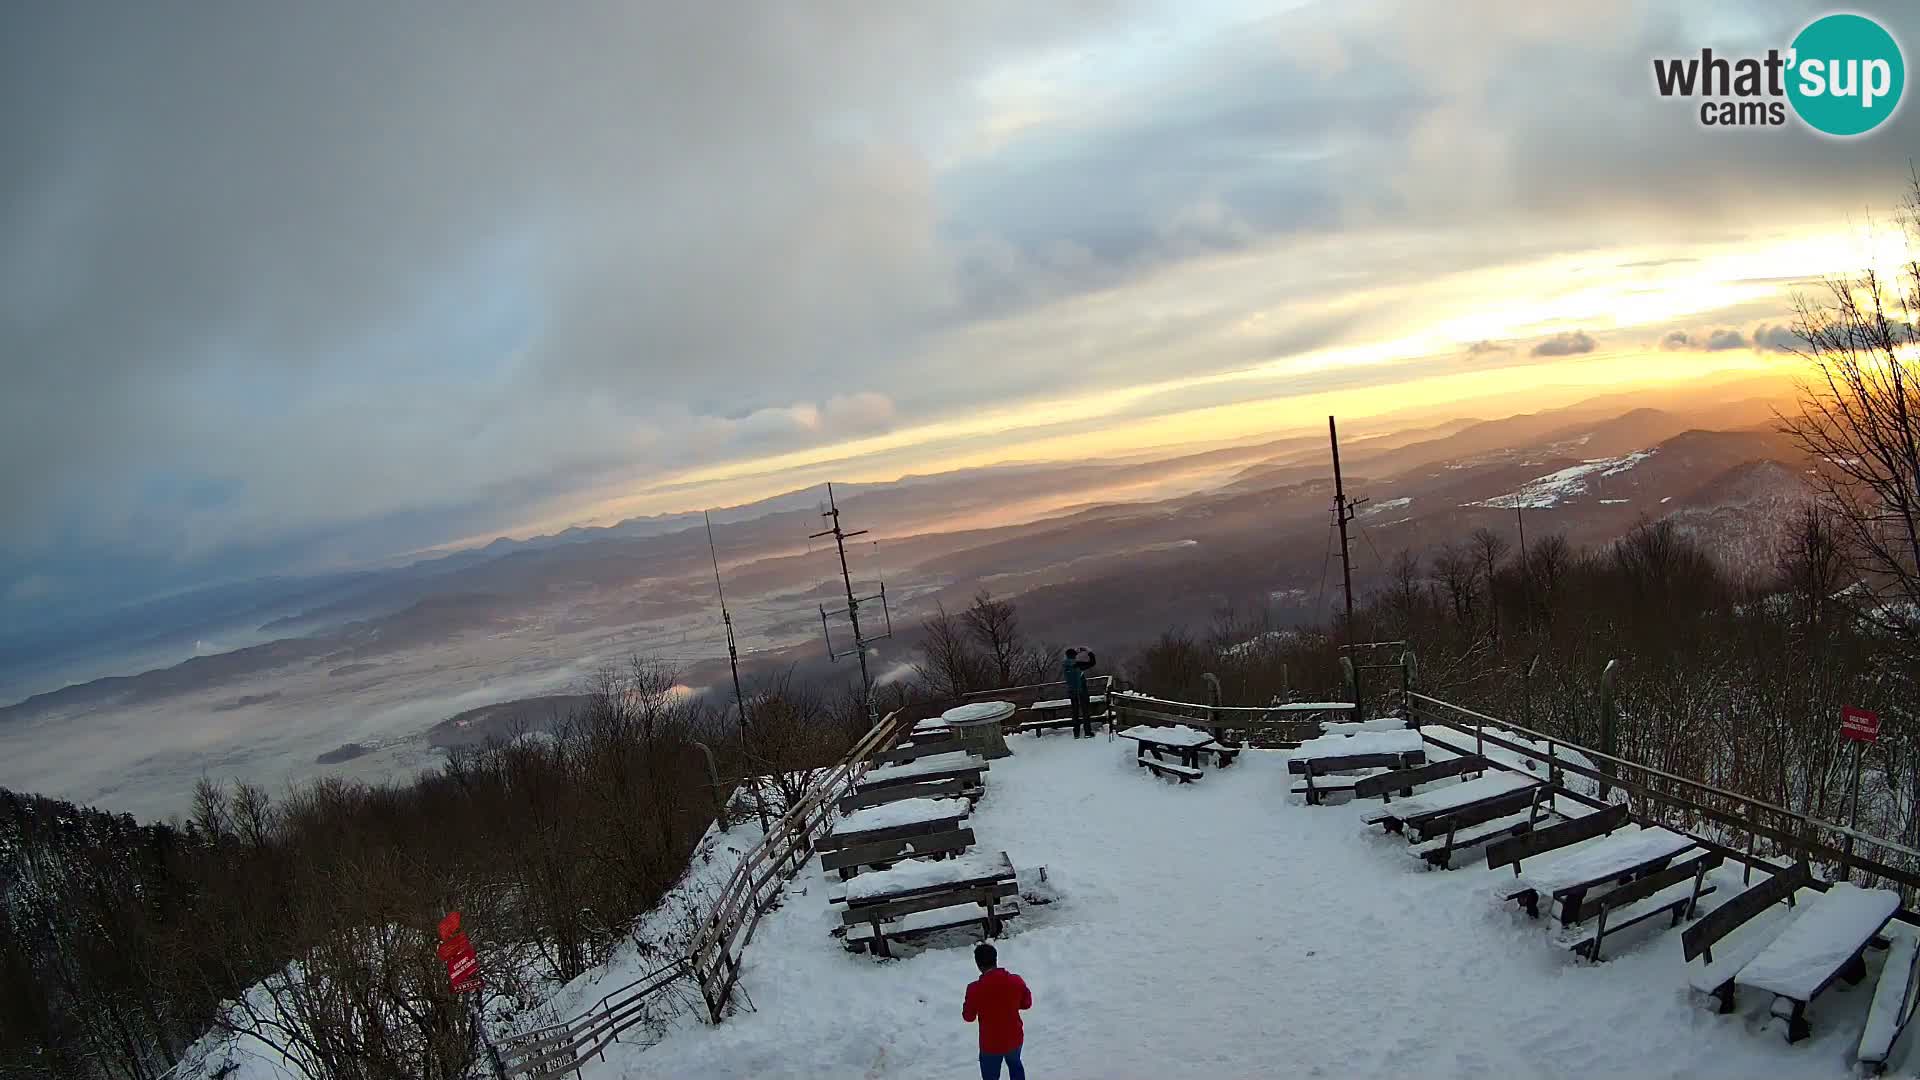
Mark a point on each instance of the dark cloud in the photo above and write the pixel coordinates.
(1724, 339)
(1676, 339)
(1567, 343)
(1483, 348)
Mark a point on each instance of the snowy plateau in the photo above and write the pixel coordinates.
(1223, 929)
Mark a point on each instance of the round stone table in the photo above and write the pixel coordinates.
(976, 727)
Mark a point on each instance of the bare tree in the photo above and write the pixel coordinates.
(1488, 549)
(948, 665)
(995, 627)
(1457, 573)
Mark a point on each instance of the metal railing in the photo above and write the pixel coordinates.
(713, 958)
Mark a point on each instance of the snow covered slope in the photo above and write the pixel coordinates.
(1220, 930)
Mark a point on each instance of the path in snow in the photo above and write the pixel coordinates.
(1219, 929)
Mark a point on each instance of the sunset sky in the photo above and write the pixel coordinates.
(285, 288)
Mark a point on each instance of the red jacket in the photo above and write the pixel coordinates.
(995, 999)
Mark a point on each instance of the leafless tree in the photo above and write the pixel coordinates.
(947, 664)
(995, 628)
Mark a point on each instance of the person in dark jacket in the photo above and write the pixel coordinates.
(1074, 670)
(995, 1000)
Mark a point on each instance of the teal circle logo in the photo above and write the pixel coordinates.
(1847, 74)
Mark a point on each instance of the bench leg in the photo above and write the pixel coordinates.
(1855, 970)
(1570, 906)
(1724, 995)
(1797, 1028)
(1530, 900)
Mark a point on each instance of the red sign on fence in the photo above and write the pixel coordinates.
(1859, 724)
(463, 967)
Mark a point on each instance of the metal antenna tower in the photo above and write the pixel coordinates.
(733, 661)
(1343, 512)
(852, 610)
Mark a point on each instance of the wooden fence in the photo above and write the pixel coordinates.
(713, 959)
(1741, 827)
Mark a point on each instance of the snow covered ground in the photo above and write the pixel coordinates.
(1220, 929)
(1551, 490)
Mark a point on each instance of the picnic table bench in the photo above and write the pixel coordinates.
(1821, 945)
(1757, 922)
(908, 817)
(1470, 802)
(1893, 1004)
(1449, 837)
(1619, 858)
(956, 787)
(1330, 754)
(1405, 780)
(956, 764)
(1674, 892)
(893, 903)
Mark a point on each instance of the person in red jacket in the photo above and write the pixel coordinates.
(995, 1000)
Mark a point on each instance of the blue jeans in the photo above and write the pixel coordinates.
(990, 1065)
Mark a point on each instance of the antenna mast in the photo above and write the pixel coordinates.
(733, 661)
(852, 610)
(1343, 512)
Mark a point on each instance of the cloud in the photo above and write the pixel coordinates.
(1724, 339)
(1483, 348)
(1718, 340)
(1676, 339)
(1566, 343)
(1773, 337)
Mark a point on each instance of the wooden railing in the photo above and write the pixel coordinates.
(1741, 827)
(713, 958)
(1269, 726)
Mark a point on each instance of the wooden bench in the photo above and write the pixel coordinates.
(1505, 794)
(1643, 898)
(1540, 841)
(1223, 755)
(862, 936)
(1893, 1004)
(955, 788)
(1318, 771)
(1613, 860)
(1185, 774)
(1405, 780)
(1822, 945)
(971, 881)
(882, 852)
(1438, 852)
(1714, 976)
(913, 751)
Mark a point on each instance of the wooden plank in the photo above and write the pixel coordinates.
(984, 895)
(1892, 1007)
(1321, 766)
(1726, 918)
(895, 850)
(914, 751)
(1642, 887)
(836, 841)
(1511, 851)
(1167, 768)
(968, 773)
(942, 789)
(1389, 782)
(864, 932)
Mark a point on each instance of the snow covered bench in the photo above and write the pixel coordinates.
(848, 859)
(955, 788)
(1431, 813)
(1742, 914)
(1674, 891)
(1822, 945)
(1322, 774)
(895, 821)
(1566, 878)
(1058, 713)
(878, 904)
(1439, 851)
(1540, 841)
(1893, 1004)
(952, 765)
(1185, 774)
(1405, 780)
(912, 751)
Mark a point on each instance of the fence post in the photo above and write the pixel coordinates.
(713, 779)
(1607, 677)
(1752, 816)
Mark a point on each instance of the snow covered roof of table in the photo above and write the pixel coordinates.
(905, 812)
(1590, 859)
(1366, 742)
(1830, 928)
(1177, 735)
(976, 711)
(1448, 796)
(908, 875)
(927, 766)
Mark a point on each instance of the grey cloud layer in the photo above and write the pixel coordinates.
(285, 286)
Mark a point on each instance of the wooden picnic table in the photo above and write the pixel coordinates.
(1566, 878)
(1821, 945)
(1188, 742)
(913, 886)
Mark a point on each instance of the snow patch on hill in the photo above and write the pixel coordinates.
(1557, 487)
